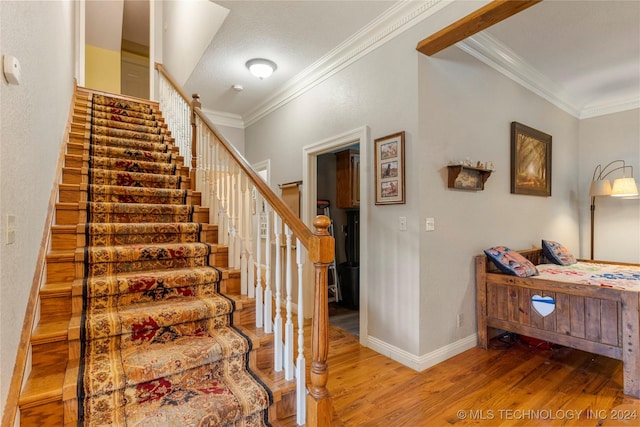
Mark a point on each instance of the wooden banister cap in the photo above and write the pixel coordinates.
(322, 223)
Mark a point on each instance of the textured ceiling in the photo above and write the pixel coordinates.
(582, 55)
(577, 54)
(590, 49)
(293, 34)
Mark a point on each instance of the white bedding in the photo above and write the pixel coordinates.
(616, 276)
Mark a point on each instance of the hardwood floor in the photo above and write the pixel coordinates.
(518, 386)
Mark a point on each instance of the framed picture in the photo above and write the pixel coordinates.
(467, 178)
(389, 169)
(530, 161)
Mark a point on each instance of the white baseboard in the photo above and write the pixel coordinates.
(420, 363)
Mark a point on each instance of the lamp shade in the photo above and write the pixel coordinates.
(624, 187)
(600, 187)
(261, 68)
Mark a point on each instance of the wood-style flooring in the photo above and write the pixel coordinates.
(344, 318)
(516, 386)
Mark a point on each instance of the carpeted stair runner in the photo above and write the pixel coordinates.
(109, 141)
(158, 344)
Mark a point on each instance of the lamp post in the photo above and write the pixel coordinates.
(600, 186)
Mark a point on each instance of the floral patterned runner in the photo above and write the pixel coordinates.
(123, 143)
(158, 344)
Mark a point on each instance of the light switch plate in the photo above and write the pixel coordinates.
(11, 229)
(11, 69)
(403, 223)
(430, 224)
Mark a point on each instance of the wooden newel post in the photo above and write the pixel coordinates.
(321, 253)
(195, 103)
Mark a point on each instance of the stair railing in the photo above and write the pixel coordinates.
(250, 216)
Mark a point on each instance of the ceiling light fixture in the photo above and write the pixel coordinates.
(261, 68)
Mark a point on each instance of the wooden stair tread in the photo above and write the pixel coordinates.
(66, 205)
(238, 298)
(59, 385)
(56, 289)
(257, 335)
(51, 331)
(242, 302)
(276, 383)
(42, 386)
(59, 228)
(61, 256)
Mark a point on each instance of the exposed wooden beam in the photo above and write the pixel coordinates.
(477, 21)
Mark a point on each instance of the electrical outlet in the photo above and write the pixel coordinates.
(403, 223)
(459, 320)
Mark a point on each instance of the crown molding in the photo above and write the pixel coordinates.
(495, 54)
(221, 118)
(490, 51)
(399, 18)
(611, 107)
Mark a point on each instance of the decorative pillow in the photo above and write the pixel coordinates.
(556, 253)
(511, 262)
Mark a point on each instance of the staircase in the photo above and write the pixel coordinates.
(142, 319)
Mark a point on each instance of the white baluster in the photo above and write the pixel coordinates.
(222, 225)
(231, 246)
(244, 256)
(288, 326)
(225, 193)
(206, 163)
(259, 301)
(251, 276)
(218, 211)
(268, 311)
(201, 184)
(277, 321)
(215, 170)
(237, 218)
(301, 389)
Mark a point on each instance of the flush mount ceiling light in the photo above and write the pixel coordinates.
(261, 68)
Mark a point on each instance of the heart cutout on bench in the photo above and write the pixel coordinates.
(544, 306)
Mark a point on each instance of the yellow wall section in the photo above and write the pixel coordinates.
(102, 69)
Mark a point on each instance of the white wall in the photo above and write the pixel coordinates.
(466, 110)
(450, 106)
(234, 135)
(617, 221)
(187, 28)
(356, 99)
(32, 118)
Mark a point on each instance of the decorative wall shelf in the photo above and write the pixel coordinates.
(468, 178)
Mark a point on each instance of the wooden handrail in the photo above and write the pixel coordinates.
(171, 80)
(301, 231)
(321, 251)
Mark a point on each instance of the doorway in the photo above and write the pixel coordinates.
(337, 176)
(320, 174)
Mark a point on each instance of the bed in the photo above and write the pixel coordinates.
(597, 316)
